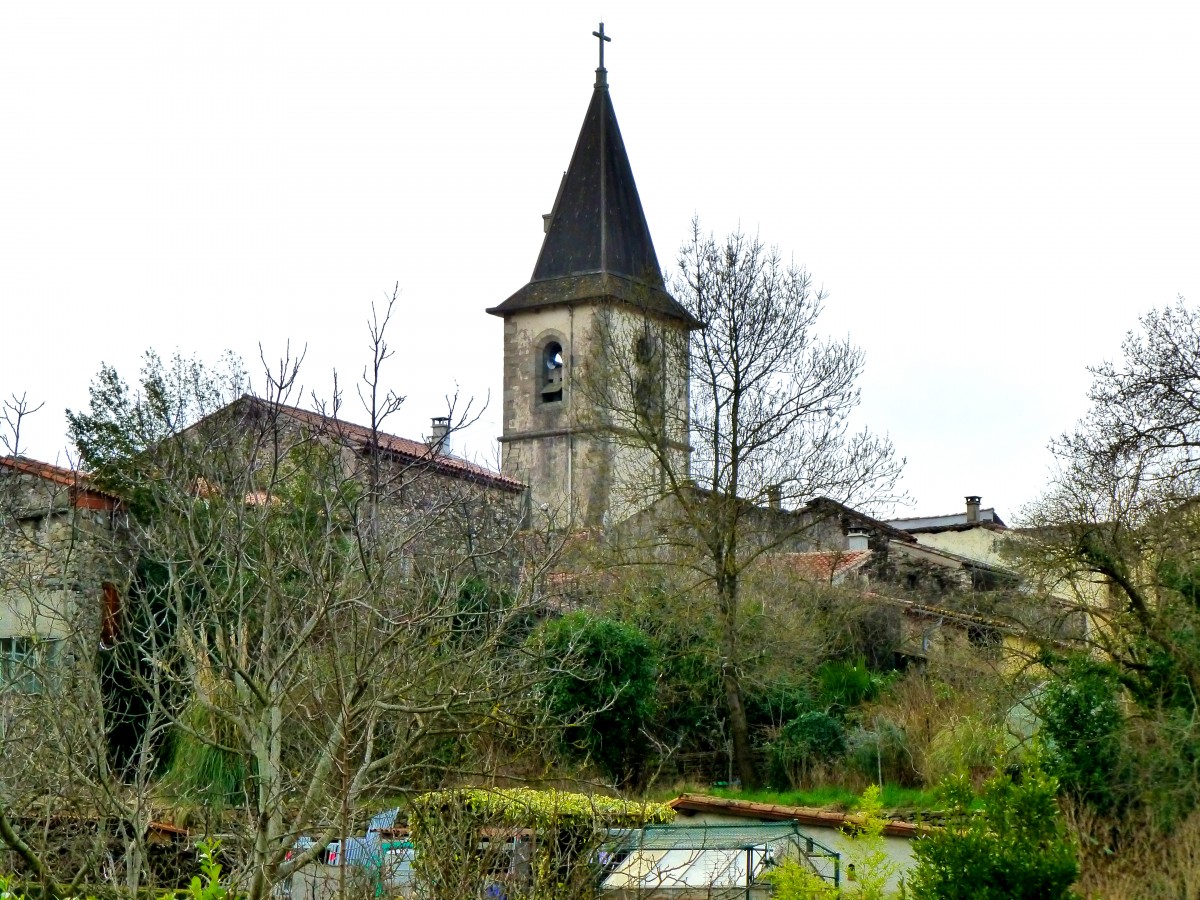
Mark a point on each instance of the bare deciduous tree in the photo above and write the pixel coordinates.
(1116, 532)
(69, 807)
(764, 407)
(16, 411)
(319, 613)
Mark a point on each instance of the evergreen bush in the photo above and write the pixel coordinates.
(808, 741)
(1016, 847)
(602, 690)
(845, 684)
(1083, 732)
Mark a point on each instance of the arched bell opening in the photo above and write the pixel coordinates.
(552, 373)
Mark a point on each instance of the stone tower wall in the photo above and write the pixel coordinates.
(585, 457)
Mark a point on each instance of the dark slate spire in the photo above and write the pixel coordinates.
(597, 242)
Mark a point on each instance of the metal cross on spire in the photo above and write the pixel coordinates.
(604, 38)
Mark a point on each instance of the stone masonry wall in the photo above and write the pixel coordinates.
(54, 557)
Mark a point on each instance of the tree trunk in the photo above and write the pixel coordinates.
(265, 746)
(739, 728)
(133, 865)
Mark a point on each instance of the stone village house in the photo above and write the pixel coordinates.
(62, 546)
(67, 546)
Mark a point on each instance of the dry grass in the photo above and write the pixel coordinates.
(951, 721)
(1132, 860)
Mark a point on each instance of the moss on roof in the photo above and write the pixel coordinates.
(529, 808)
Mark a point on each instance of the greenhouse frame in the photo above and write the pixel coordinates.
(714, 862)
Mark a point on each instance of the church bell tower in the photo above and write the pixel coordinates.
(595, 349)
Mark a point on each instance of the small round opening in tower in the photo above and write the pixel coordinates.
(552, 373)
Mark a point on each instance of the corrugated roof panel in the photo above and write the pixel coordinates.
(714, 837)
(366, 852)
(986, 516)
(690, 868)
(384, 820)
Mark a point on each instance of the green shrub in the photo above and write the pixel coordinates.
(847, 683)
(8, 891)
(203, 770)
(1015, 848)
(1162, 757)
(777, 703)
(689, 699)
(1083, 732)
(873, 867)
(808, 741)
(963, 746)
(207, 885)
(795, 881)
(602, 690)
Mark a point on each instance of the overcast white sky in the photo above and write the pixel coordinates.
(991, 193)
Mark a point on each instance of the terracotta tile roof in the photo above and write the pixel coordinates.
(204, 488)
(805, 815)
(821, 565)
(926, 610)
(927, 550)
(71, 478)
(168, 828)
(413, 451)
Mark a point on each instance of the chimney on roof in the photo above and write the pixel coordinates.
(775, 496)
(856, 539)
(439, 434)
(972, 509)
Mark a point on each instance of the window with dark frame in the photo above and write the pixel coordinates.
(24, 662)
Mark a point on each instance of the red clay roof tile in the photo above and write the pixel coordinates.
(71, 478)
(821, 565)
(416, 451)
(805, 815)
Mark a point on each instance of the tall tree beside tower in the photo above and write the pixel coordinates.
(768, 414)
(770, 420)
